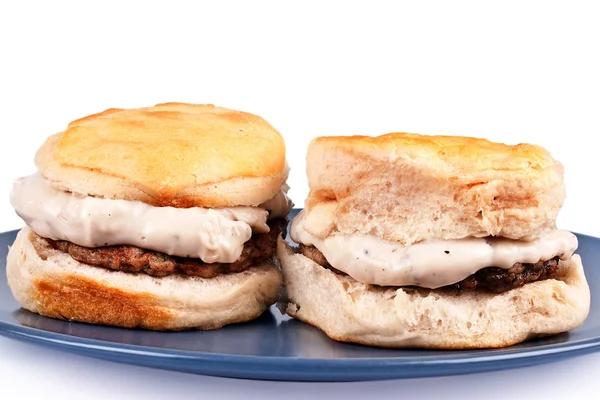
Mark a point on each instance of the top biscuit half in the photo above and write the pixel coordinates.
(409, 188)
(172, 154)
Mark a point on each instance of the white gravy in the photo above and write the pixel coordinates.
(371, 260)
(213, 235)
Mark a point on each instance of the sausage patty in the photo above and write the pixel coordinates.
(133, 259)
(494, 279)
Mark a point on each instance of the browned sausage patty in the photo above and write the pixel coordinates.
(133, 259)
(494, 279)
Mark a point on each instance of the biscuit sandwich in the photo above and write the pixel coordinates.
(162, 218)
(435, 242)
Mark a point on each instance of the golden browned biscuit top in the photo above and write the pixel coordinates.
(461, 152)
(169, 154)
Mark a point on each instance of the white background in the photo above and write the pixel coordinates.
(510, 71)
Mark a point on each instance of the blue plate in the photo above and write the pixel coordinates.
(275, 347)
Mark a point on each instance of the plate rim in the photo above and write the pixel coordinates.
(484, 355)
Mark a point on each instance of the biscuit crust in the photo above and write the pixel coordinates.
(171, 154)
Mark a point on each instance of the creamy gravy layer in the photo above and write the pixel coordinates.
(371, 260)
(213, 235)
